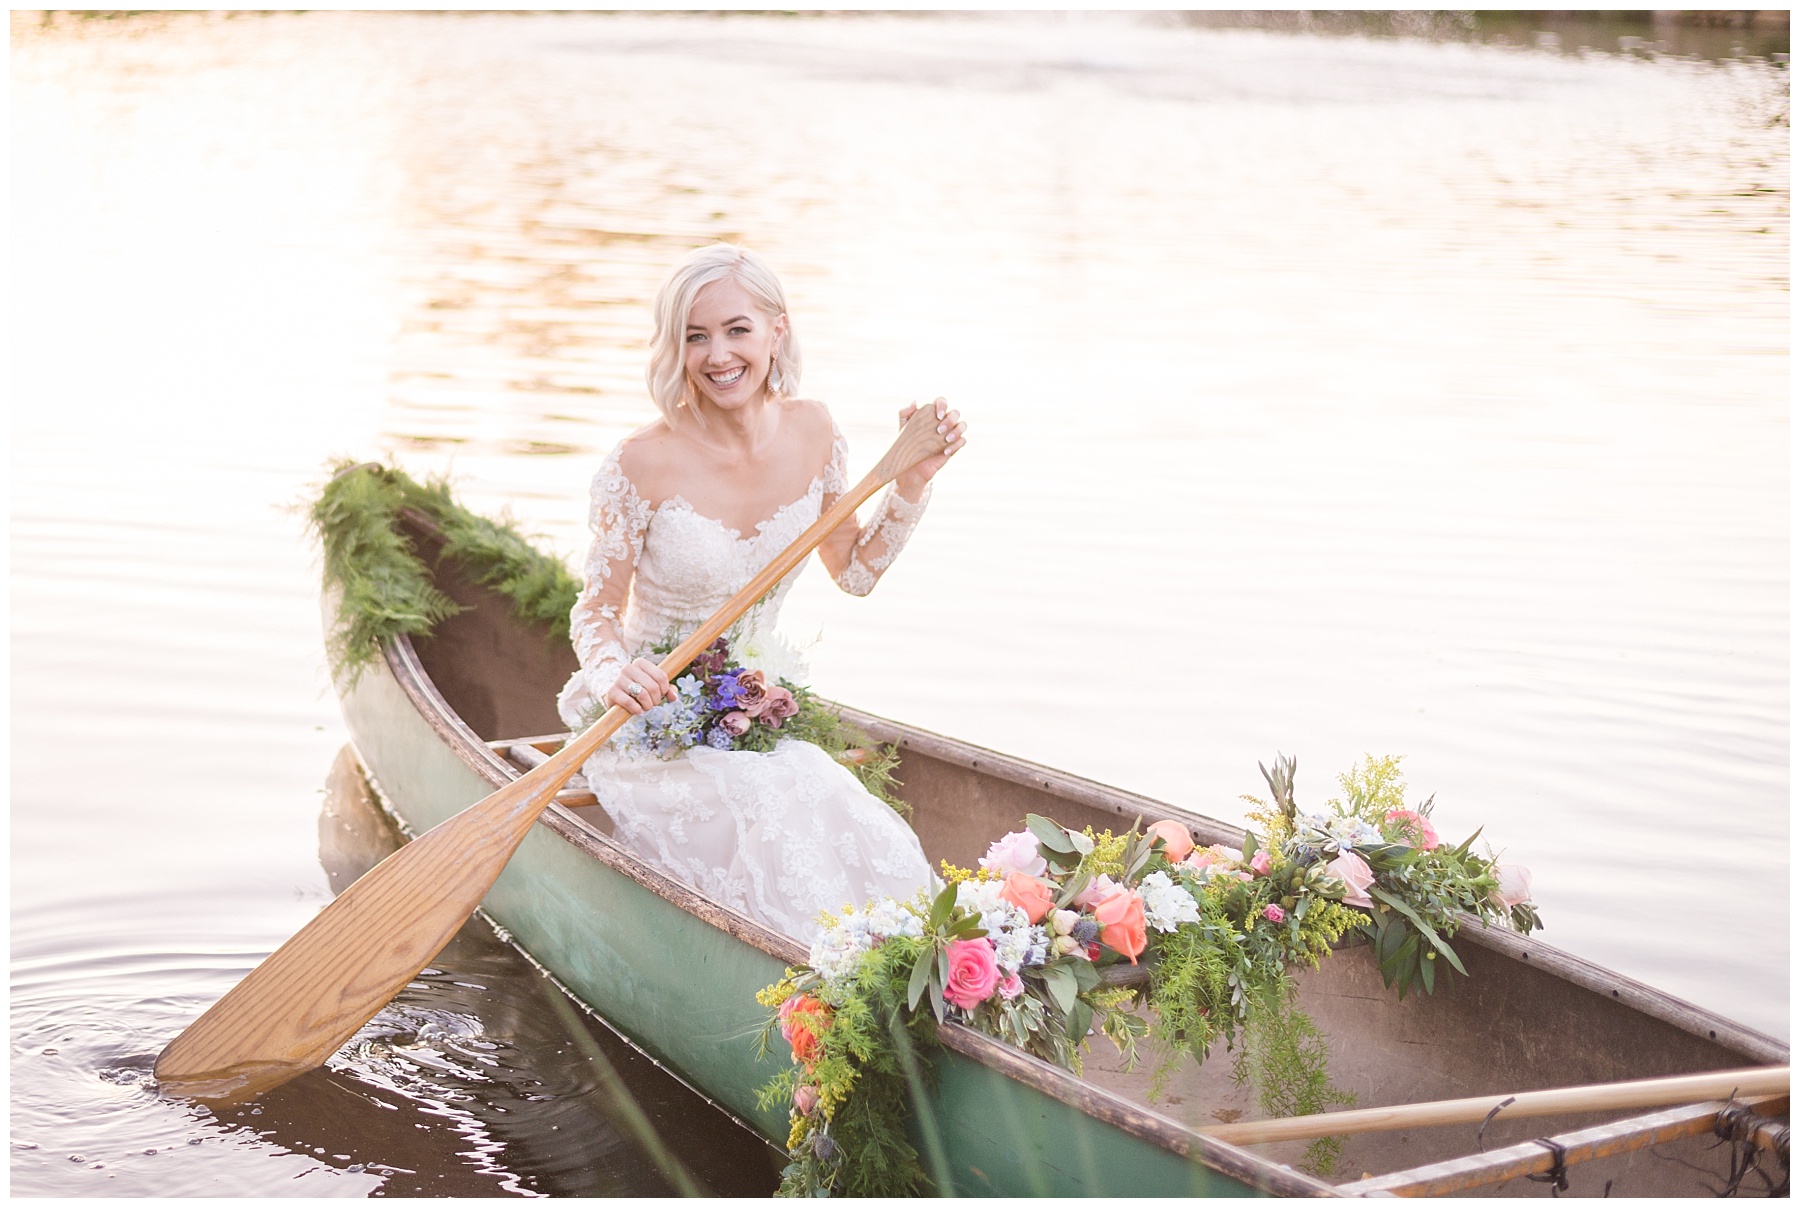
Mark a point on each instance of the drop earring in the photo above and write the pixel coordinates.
(773, 385)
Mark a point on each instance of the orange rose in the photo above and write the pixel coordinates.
(1121, 919)
(1028, 894)
(803, 1017)
(1177, 841)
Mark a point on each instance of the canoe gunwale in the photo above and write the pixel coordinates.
(1129, 1117)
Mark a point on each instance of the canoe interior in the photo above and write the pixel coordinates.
(1528, 1017)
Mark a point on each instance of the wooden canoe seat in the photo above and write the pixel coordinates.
(528, 753)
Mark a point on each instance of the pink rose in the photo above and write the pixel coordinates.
(1011, 987)
(1177, 842)
(1098, 890)
(1260, 864)
(1274, 913)
(778, 705)
(973, 973)
(1201, 857)
(1354, 873)
(735, 722)
(805, 1099)
(1017, 852)
(1514, 888)
(1028, 894)
(1121, 919)
(751, 692)
(1414, 827)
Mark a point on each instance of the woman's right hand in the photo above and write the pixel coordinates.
(651, 684)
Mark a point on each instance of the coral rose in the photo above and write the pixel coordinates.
(1514, 888)
(1177, 842)
(1415, 826)
(1121, 919)
(803, 1017)
(1351, 869)
(1017, 852)
(973, 973)
(1028, 894)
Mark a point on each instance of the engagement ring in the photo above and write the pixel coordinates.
(635, 689)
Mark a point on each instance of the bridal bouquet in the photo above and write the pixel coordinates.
(742, 694)
(722, 704)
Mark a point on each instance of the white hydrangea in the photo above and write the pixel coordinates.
(1166, 904)
(888, 918)
(997, 914)
(838, 949)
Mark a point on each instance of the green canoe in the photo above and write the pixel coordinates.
(439, 723)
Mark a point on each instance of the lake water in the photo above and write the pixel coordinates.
(1329, 396)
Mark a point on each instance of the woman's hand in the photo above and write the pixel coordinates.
(651, 684)
(951, 426)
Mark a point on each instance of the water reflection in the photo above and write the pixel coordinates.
(480, 1054)
(1361, 393)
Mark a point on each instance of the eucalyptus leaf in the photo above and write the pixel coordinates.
(1048, 833)
(1086, 976)
(1425, 928)
(941, 907)
(921, 975)
(1059, 980)
(1081, 1018)
(1081, 842)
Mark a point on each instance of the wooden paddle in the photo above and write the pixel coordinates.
(311, 995)
(1605, 1096)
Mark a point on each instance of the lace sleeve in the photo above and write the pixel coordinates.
(880, 540)
(618, 519)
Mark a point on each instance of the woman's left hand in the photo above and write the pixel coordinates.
(952, 428)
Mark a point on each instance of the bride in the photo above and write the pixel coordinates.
(684, 512)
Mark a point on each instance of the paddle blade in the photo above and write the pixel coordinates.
(311, 995)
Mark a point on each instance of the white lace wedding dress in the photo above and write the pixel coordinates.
(781, 835)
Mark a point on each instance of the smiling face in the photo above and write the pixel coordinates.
(728, 344)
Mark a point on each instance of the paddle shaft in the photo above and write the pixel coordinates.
(1606, 1096)
(313, 993)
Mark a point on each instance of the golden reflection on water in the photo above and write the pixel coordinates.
(1329, 396)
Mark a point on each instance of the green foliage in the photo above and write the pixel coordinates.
(385, 589)
(1285, 1055)
(873, 1058)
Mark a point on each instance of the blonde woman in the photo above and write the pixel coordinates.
(684, 512)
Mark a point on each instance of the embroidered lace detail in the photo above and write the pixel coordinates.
(882, 540)
(780, 835)
(619, 520)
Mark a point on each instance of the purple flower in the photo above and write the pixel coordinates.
(711, 661)
(728, 693)
(718, 739)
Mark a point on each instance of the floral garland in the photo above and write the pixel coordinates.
(1029, 948)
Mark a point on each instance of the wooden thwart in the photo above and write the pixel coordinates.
(526, 754)
(1532, 1157)
(1608, 1096)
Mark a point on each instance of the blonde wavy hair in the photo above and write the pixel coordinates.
(666, 374)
